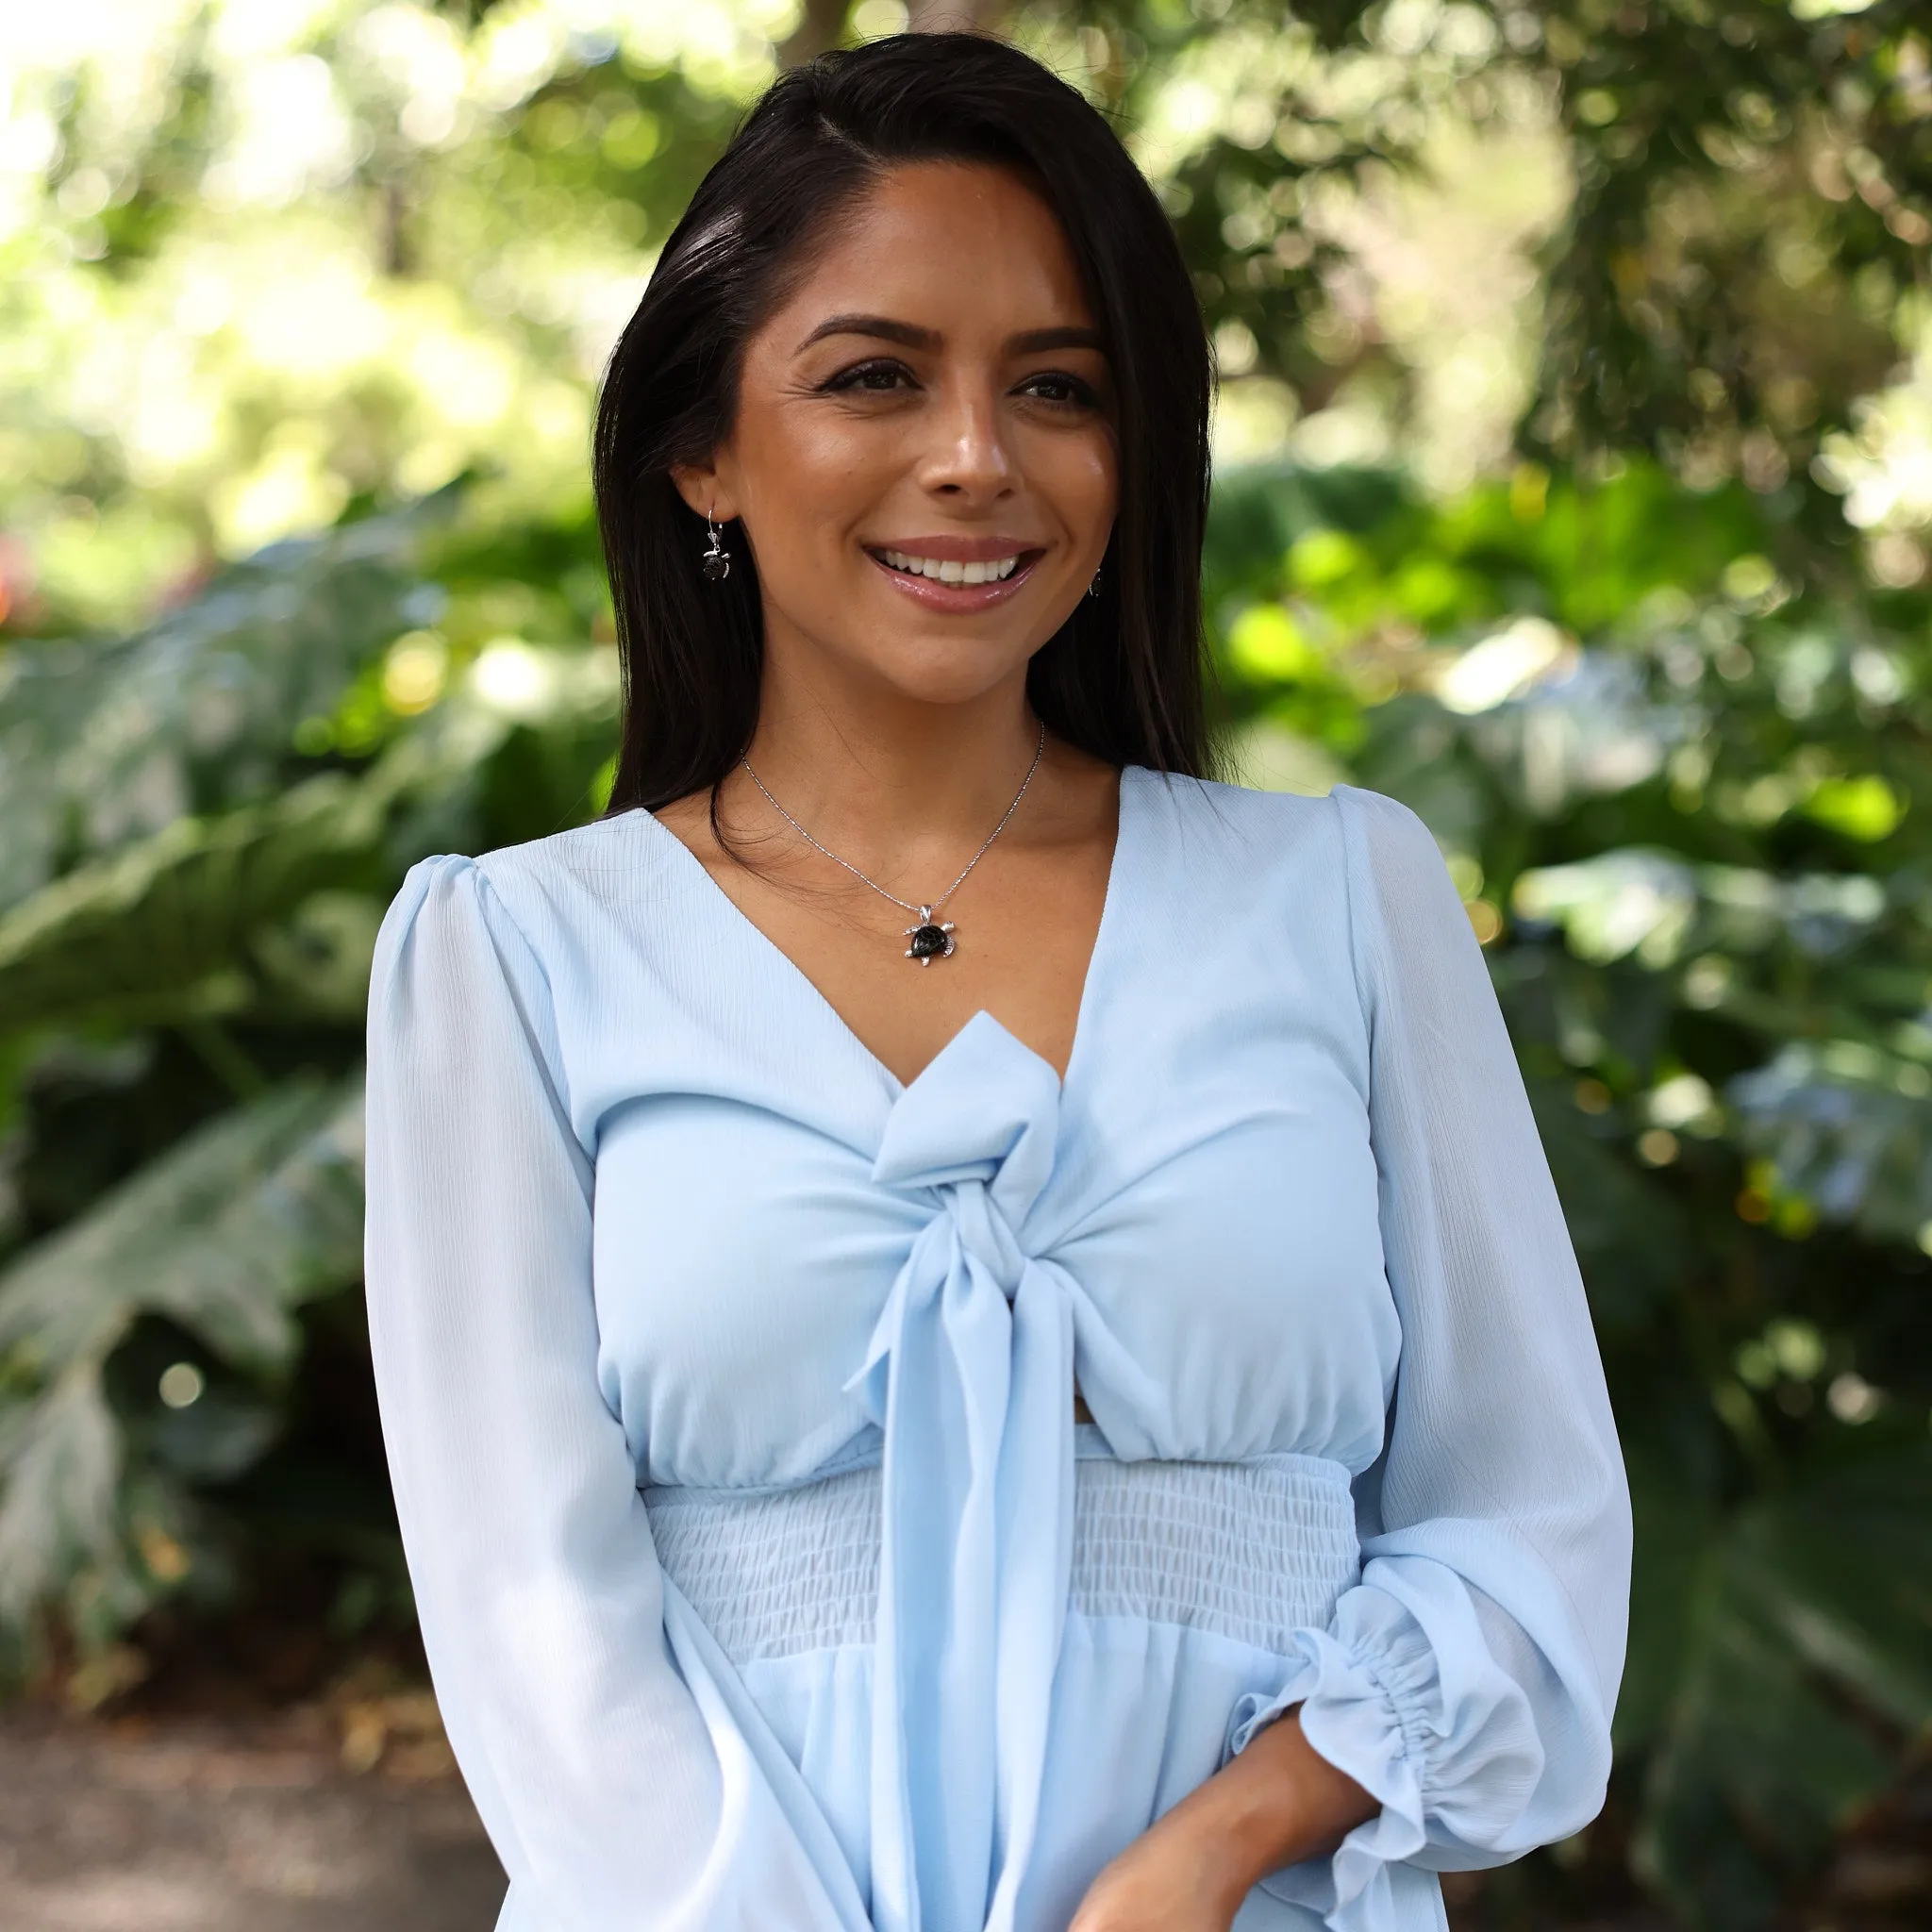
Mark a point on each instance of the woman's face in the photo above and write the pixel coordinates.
(923, 456)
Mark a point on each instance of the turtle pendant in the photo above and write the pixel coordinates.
(929, 941)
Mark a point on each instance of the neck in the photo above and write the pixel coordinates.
(901, 788)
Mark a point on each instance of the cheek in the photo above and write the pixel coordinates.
(1079, 476)
(809, 481)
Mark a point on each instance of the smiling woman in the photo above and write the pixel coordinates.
(1035, 285)
(925, 1451)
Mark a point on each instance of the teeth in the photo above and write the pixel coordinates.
(947, 571)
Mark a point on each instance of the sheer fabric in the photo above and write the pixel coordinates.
(764, 1576)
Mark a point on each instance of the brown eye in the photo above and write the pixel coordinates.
(876, 378)
(1056, 386)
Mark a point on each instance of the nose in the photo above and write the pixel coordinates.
(967, 460)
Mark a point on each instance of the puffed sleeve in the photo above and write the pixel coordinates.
(1468, 1682)
(619, 1791)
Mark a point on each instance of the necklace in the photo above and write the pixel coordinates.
(930, 941)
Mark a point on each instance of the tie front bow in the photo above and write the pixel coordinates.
(969, 1374)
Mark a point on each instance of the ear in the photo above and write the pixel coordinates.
(705, 493)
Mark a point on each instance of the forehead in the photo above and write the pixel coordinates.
(960, 248)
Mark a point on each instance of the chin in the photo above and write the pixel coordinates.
(948, 675)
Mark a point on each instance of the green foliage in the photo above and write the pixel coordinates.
(1776, 1649)
(1665, 701)
(153, 933)
(1753, 195)
(1683, 796)
(105, 741)
(206, 980)
(224, 1236)
(1718, 985)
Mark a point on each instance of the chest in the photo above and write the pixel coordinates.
(1214, 1211)
(1016, 941)
(1203, 1180)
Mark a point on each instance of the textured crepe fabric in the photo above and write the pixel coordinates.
(766, 1579)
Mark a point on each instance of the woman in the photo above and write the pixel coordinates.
(971, 1328)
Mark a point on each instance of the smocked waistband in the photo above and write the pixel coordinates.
(1252, 1550)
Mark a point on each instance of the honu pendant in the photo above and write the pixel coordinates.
(929, 941)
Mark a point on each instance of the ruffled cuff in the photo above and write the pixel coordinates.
(1363, 1691)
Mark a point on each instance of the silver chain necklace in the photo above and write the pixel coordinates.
(930, 941)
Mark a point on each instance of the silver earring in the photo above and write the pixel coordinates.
(1093, 589)
(716, 562)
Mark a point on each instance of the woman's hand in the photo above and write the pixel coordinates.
(1276, 1804)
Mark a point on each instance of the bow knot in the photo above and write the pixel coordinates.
(984, 1234)
(985, 1112)
(969, 1376)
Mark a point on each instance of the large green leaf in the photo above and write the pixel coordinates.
(60, 1462)
(200, 918)
(160, 932)
(1782, 1659)
(225, 1235)
(1849, 1127)
(104, 742)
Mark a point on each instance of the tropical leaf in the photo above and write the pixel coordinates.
(1848, 1126)
(60, 1466)
(160, 932)
(183, 924)
(315, 962)
(225, 1235)
(107, 743)
(1794, 1638)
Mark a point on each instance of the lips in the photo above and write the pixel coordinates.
(956, 573)
(957, 585)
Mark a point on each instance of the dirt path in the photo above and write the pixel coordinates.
(347, 1816)
(209, 1828)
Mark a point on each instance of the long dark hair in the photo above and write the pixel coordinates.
(1122, 678)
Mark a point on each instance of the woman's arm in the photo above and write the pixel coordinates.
(1278, 1803)
(1460, 1699)
(616, 1789)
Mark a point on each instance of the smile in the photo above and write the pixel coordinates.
(948, 570)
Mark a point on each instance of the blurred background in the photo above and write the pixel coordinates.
(1575, 484)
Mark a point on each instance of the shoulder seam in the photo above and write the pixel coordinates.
(486, 884)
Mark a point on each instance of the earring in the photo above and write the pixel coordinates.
(716, 562)
(1093, 589)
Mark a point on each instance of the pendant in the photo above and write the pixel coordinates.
(929, 941)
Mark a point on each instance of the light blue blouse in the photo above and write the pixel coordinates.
(765, 1576)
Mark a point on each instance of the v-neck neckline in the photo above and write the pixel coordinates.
(800, 977)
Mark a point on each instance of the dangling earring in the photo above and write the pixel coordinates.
(716, 562)
(1093, 589)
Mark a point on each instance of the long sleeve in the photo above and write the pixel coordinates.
(1468, 1681)
(620, 1787)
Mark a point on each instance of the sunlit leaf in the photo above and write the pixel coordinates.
(160, 930)
(224, 1234)
(103, 743)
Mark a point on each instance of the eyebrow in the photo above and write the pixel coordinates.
(884, 328)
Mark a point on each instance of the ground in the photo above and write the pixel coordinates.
(344, 1814)
(207, 1825)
